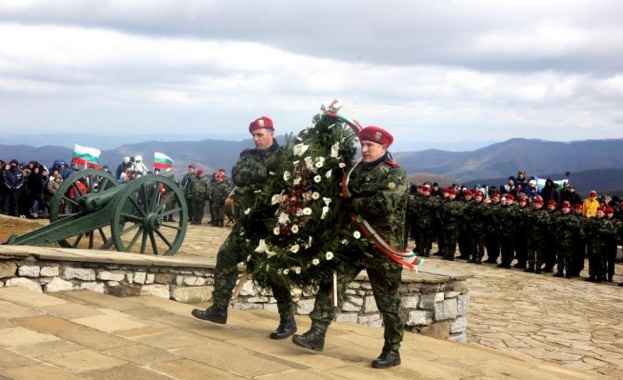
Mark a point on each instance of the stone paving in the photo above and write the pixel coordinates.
(535, 319)
(573, 323)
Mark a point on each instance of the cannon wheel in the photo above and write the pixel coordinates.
(139, 220)
(63, 206)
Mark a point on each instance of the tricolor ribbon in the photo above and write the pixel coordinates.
(408, 259)
(353, 124)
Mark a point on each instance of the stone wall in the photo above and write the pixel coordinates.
(433, 305)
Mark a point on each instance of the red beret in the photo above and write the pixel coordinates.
(377, 135)
(479, 194)
(495, 195)
(191, 166)
(222, 170)
(601, 208)
(522, 198)
(467, 192)
(551, 202)
(565, 204)
(538, 200)
(261, 122)
(609, 210)
(510, 196)
(451, 190)
(578, 206)
(200, 172)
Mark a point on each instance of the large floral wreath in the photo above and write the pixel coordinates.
(302, 203)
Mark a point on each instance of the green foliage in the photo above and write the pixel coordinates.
(302, 208)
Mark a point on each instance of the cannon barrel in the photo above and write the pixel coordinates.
(134, 217)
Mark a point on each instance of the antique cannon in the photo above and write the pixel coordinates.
(92, 210)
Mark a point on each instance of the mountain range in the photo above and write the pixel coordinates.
(589, 164)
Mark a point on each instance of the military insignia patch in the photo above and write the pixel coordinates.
(378, 136)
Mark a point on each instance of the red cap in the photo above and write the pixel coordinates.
(565, 204)
(221, 170)
(578, 206)
(551, 202)
(609, 210)
(601, 208)
(261, 122)
(479, 194)
(200, 172)
(191, 166)
(522, 198)
(495, 195)
(510, 196)
(377, 135)
(467, 192)
(538, 200)
(450, 190)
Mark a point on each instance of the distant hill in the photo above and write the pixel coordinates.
(592, 164)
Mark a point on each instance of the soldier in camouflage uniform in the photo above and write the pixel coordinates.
(600, 231)
(451, 213)
(508, 217)
(567, 231)
(425, 209)
(199, 192)
(521, 240)
(476, 212)
(187, 184)
(537, 231)
(220, 192)
(465, 233)
(550, 240)
(379, 191)
(492, 239)
(580, 245)
(252, 168)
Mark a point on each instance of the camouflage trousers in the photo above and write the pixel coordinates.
(535, 254)
(218, 212)
(450, 236)
(565, 258)
(384, 276)
(195, 209)
(226, 275)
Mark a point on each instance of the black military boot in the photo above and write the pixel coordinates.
(388, 358)
(313, 339)
(286, 328)
(213, 314)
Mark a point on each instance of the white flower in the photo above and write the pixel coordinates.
(335, 150)
(344, 241)
(317, 179)
(311, 125)
(276, 230)
(315, 261)
(294, 248)
(248, 257)
(295, 229)
(278, 271)
(300, 149)
(309, 241)
(296, 162)
(283, 218)
(247, 211)
(275, 199)
(315, 195)
(356, 234)
(307, 211)
(286, 271)
(329, 255)
(309, 163)
(341, 165)
(261, 246)
(296, 181)
(286, 175)
(328, 173)
(297, 270)
(325, 211)
(319, 164)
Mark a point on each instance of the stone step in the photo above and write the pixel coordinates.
(88, 335)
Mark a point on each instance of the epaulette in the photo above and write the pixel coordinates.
(392, 163)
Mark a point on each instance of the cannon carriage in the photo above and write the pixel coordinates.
(92, 210)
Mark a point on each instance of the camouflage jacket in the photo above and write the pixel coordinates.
(475, 214)
(187, 183)
(451, 212)
(200, 189)
(509, 216)
(426, 211)
(568, 229)
(250, 173)
(220, 192)
(379, 193)
(538, 223)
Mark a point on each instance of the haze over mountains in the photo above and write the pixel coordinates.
(589, 164)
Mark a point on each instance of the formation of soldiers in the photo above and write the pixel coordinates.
(199, 190)
(539, 236)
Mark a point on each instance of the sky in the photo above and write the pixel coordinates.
(436, 72)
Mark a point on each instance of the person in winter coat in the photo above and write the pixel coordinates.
(13, 180)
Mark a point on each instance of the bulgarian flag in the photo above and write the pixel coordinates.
(86, 157)
(162, 161)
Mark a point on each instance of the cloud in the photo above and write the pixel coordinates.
(443, 70)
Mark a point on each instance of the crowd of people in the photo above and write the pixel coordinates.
(540, 230)
(27, 189)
